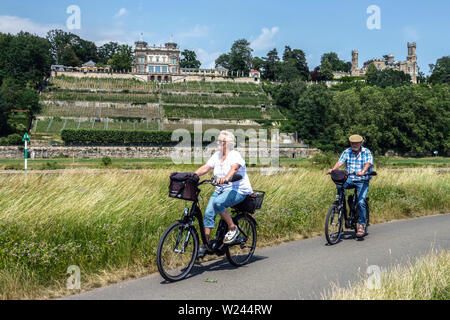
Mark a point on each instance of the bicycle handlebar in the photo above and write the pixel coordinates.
(373, 173)
(212, 181)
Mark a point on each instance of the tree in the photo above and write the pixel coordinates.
(240, 57)
(239, 60)
(106, 52)
(18, 96)
(13, 95)
(84, 50)
(271, 65)
(189, 60)
(223, 61)
(258, 64)
(123, 59)
(5, 110)
(335, 62)
(326, 71)
(440, 72)
(24, 58)
(387, 77)
(68, 57)
(287, 94)
(297, 59)
(287, 71)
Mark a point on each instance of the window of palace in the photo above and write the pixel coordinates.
(164, 69)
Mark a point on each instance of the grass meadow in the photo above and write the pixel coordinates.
(108, 222)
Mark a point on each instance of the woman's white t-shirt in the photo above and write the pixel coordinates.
(221, 169)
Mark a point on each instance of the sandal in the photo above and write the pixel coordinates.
(361, 231)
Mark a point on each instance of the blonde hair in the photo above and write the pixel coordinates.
(230, 138)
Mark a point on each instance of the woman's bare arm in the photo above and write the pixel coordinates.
(203, 170)
(234, 168)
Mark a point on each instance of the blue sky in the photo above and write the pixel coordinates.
(209, 27)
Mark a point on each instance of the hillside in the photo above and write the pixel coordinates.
(131, 104)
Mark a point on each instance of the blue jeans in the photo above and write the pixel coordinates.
(362, 187)
(218, 203)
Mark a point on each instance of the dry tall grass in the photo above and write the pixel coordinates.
(109, 223)
(425, 278)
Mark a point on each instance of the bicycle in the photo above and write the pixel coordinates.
(338, 213)
(179, 245)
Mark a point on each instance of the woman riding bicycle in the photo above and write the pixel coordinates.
(226, 162)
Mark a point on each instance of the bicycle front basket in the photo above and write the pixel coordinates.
(339, 176)
(184, 186)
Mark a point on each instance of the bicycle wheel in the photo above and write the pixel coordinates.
(333, 224)
(241, 251)
(177, 251)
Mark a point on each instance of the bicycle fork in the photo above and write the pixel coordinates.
(186, 241)
(180, 234)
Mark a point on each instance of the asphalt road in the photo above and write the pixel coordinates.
(296, 270)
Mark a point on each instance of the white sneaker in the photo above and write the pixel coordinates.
(231, 236)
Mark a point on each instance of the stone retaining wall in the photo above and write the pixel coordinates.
(40, 152)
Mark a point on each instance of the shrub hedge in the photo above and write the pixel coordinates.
(88, 136)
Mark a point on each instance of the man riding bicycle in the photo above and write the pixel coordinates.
(358, 161)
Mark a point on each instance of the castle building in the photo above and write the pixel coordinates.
(409, 66)
(159, 63)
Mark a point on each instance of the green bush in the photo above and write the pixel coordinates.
(14, 139)
(87, 136)
(106, 161)
(53, 165)
(324, 159)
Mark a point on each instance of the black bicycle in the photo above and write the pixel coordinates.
(337, 213)
(179, 245)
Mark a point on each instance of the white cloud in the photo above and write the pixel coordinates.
(13, 24)
(208, 60)
(265, 39)
(121, 12)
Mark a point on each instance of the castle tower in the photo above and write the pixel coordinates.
(390, 59)
(411, 49)
(355, 63)
(411, 62)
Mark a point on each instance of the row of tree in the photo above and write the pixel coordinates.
(70, 50)
(292, 65)
(411, 119)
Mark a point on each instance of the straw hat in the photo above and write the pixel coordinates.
(355, 138)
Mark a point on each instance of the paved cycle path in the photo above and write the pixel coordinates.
(301, 269)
